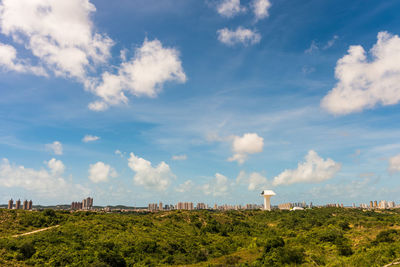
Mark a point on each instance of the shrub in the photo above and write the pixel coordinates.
(386, 236)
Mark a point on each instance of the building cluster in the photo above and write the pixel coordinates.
(383, 204)
(86, 204)
(26, 205)
(335, 205)
(200, 206)
(290, 206)
(185, 206)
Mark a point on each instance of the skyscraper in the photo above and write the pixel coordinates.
(18, 204)
(30, 204)
(25, 205)
(10, 204)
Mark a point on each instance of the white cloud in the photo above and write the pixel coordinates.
(260, 8)
(365, 83)
(314, 169)
(230, 8)
(100, 172)
(143, 75)
(61, 37)
(118, 152)
(249, 143)
(90, 138)
(394, 164)
(59, 33)
(331, 42)
(152, 178)
(219, 186)
(185, 187)
(9, 61)
(240, 35)
(56, 166)
(55, 147)
(179, 157)
(313, 47)
(44, 183)
(255, 180)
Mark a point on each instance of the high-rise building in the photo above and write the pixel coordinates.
(375, 204)
(153, 207)
(30, 204)
(18, 204)
(87, 203)
(184, 206)
(371, 205)
(76, 205)
(201, 206)
(10, 204)
(25, 205)
(160, 206)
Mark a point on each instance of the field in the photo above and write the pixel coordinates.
(317, 237)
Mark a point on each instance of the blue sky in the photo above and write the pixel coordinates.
(216, 101)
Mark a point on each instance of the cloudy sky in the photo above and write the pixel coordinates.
(199, 100)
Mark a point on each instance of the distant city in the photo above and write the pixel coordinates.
(87, 204)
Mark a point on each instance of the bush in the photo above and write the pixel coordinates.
(273, 243)
(112, 258)
(386, 236)
(27, 250)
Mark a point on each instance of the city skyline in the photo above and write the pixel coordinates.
(208, 101)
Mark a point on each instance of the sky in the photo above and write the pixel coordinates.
(212, 101)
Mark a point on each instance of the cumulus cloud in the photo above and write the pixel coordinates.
(249, 143)
(179, 157)
(56, 166)
(47, 183)
(100, 172)
(152, 178)
(59, 33)
(362, 82)
(230, 8)
(218, 186)
(239, 36)
(394, 164)
(61, 37)
(315, 169)
(255, 180)
(55, 147)
(90, 138)
(143, 75)
(10, 61)
(260, 8)
(185, 187)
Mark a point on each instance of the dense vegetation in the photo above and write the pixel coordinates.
(321, 236)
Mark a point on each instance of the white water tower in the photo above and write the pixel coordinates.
(267, 194)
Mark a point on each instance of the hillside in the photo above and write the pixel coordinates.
(321, 236)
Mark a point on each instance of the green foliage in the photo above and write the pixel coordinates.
(387, 236)
(321, 236)
(27, 249)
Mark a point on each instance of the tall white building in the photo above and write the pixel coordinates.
(267, 194)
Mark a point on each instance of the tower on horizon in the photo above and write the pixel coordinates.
(267, 196)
